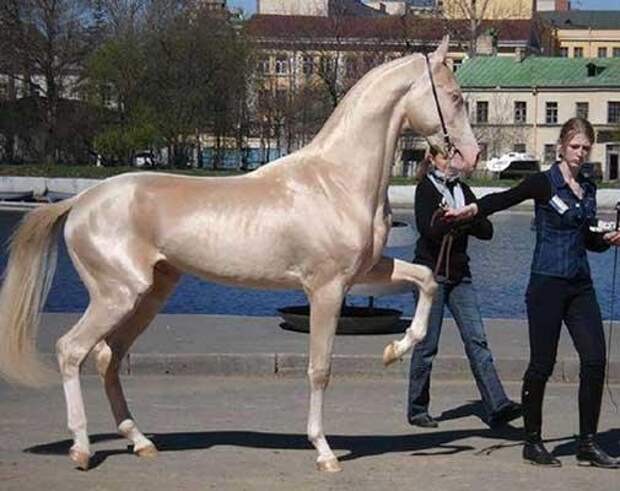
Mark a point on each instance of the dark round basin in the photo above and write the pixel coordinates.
(353, 320)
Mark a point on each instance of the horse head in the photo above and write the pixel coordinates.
(437, 95)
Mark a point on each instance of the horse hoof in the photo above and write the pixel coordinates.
(329, 465)
(390, 354)
(79, 458)
(148, 452)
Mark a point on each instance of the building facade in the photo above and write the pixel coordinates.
(301, 56)
(583, 33)
(315, 8)
(521, 105)
(493, 9)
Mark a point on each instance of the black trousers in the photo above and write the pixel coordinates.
(551, 301)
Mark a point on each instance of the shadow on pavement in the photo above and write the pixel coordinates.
(609, 440)
(420, 444)
(472, 408)
(429, 443)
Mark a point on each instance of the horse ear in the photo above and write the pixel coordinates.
(441, 52)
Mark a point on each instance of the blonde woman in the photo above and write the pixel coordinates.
(560, 288)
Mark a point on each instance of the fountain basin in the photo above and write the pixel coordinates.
(353, 320)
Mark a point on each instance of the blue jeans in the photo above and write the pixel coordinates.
(463, 304)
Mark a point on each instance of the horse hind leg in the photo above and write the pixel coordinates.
(105, 313)
(110, 352)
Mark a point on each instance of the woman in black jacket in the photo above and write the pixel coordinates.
(443, 248)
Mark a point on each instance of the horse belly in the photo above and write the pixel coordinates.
(230, 257)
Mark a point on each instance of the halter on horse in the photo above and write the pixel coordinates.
(316, 219)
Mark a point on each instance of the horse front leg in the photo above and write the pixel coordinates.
(389, 271)
(325, 304)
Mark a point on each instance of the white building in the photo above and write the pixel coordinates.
(521, 105)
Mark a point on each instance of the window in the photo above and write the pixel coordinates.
(482, 112)
(281, 65)
(550, 156)
(602, 52)
(581, 110)
(106, 95)
(520, 111)
(578, 52)
(616, 52)
(307, 65)
(613, 112)
(351, 66)
(263, 66)
(551, 112)
(328, 66)
(519, 147)
(564, 52)
(456, 64)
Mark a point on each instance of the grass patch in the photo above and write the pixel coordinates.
(92, 172)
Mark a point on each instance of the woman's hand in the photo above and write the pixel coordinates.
(612, 238)
(462, 213)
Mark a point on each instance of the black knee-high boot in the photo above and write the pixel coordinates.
(532, 396)
(590, 398)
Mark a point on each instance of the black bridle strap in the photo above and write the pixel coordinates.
(446, 136)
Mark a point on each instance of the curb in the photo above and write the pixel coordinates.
(295, 365)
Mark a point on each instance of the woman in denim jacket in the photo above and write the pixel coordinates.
(560, 288)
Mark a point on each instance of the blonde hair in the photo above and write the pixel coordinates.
(572, 127)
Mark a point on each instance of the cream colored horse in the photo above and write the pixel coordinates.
(316, 219)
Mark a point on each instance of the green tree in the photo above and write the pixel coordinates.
(45, 43)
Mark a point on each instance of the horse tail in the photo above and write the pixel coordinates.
(27, 281)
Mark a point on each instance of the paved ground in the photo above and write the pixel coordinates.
(237, 345)
(247, 433)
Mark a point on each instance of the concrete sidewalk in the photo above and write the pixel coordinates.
(229, 345)
(249, 433)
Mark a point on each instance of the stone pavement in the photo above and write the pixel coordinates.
(248, 433)
(231, 345)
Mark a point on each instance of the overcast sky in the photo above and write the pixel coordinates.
(249, 6)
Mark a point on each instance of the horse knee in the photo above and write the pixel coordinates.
(319, 378)
(430, 285)
(70, 356)
(103, 357)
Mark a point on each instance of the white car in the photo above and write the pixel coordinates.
(513, 164)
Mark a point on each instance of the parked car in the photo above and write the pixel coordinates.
(144, 159)
(513, 165)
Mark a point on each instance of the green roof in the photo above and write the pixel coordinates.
(540, 71)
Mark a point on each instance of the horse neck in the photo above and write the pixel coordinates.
(359, 139)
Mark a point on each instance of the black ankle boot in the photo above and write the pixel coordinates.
(589, 453)
(534, 452)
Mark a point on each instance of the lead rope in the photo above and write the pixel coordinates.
(445, 249)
